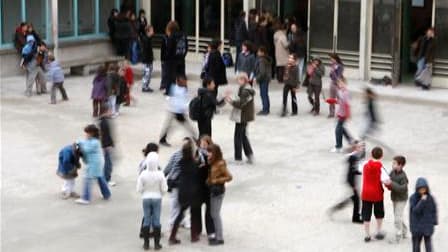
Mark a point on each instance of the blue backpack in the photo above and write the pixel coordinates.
(227, 58)
(28, 51)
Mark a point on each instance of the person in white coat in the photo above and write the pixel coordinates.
(151, 184)
(281, 50)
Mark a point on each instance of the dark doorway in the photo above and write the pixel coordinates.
(417, 18)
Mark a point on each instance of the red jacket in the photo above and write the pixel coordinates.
(129, 76)
(372, 188)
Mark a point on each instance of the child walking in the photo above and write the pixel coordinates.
(399, 195)
(314, 72)
(99, 90)
(151, 184)
(56, 76)
(374, 175)
(423, 215)
(68, 169)
(147, 58)
(129, 77)
(92, 155)
(291, 79)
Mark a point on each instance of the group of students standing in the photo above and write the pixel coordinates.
(370, 196)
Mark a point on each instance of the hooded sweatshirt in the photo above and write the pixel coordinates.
(243, 106)
(151, 183)
(372, 189)
(423, 213)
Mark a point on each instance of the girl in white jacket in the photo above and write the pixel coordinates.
(151, 184)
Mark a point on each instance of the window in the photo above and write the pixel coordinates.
(160, 15)
(349, 18)
(321, 29)
(86, 17)
(11, 18)
(209, 18)
(36, 14)
(383, 25)
(441, 30)
(65, 18)
(185, 16)
(232, 10)
(105, 7)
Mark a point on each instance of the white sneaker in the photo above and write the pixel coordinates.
(336, 150)
(112, 183)
(82, 202)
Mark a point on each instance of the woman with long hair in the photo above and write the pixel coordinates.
(336, 73)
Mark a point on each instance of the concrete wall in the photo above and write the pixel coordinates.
(68, 50)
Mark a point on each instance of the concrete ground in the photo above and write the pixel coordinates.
(278, 204)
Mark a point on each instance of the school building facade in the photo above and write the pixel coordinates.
(373, 37)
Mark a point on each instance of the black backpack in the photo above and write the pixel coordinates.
(181, 46)
(195, 108)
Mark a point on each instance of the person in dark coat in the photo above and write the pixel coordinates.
(142, 23)
(297, 45)
(147, 58)
(425, 56)
(111, 25)
(315, 72)
(107, 142)
(423, 215)
(241, 34)
(189, 190)
(246, 62)
(357, 154)
(168, 57)
(263, 68)
(122, 34)
(208, 106)
(214, 67)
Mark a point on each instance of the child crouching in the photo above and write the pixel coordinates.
(68, 169)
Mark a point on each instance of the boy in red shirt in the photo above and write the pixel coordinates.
(374, 175)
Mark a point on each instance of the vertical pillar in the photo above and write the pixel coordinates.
(222, 23)
(335, 25)
(197, 28)
(433, 18)
(54, 24)
(1, 28)
(97, 16)
(363, 38)
(173, 10)
(396, 43)
(23, 9)
(309, 31)
(75, 17)
(146, 5)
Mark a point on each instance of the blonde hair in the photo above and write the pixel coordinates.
(243, 76)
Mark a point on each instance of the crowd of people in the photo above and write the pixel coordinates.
(196, 174)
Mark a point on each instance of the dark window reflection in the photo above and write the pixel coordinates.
(383, 20)
(185, 16)
(210, 18)
(321, 24)
(160, 14)
(349, 25)
(442, 29)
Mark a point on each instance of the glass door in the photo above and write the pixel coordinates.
(335, 27)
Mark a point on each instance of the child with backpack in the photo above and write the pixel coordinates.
(56, 76)
(423, 215)
(92, 155)
(291, 79)
(68, 169)
(373, 176)
(33, 71)
(398, 195)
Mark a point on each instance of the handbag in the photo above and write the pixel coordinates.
(217, 189)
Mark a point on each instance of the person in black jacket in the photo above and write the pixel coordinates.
(107, 143)
(214, 67)
(122, 34)
(241, 34)
(147, 58)
(208, 106)
(111, 25)
(142, 23)
(168, 56)
(358, 153)
(189, 190)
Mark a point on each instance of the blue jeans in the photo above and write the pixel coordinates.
(107, 163)
(340, 132)
(420, 66)
(151, 212)
(103, 187)
(264, 93)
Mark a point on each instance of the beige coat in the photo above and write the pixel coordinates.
(281, 48)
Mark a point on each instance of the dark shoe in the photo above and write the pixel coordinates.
(315, 113)
(262, 113)
(294, 114)
(164, 143)
(357, 221)
(157, 235)
(367, 239)
(284, 113)
(330, 116)
(172, 240)
(214, 242)
(312, 110)
(195, 239)
(380, 236)
(145, 232)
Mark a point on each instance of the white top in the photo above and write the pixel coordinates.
(151, 183)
